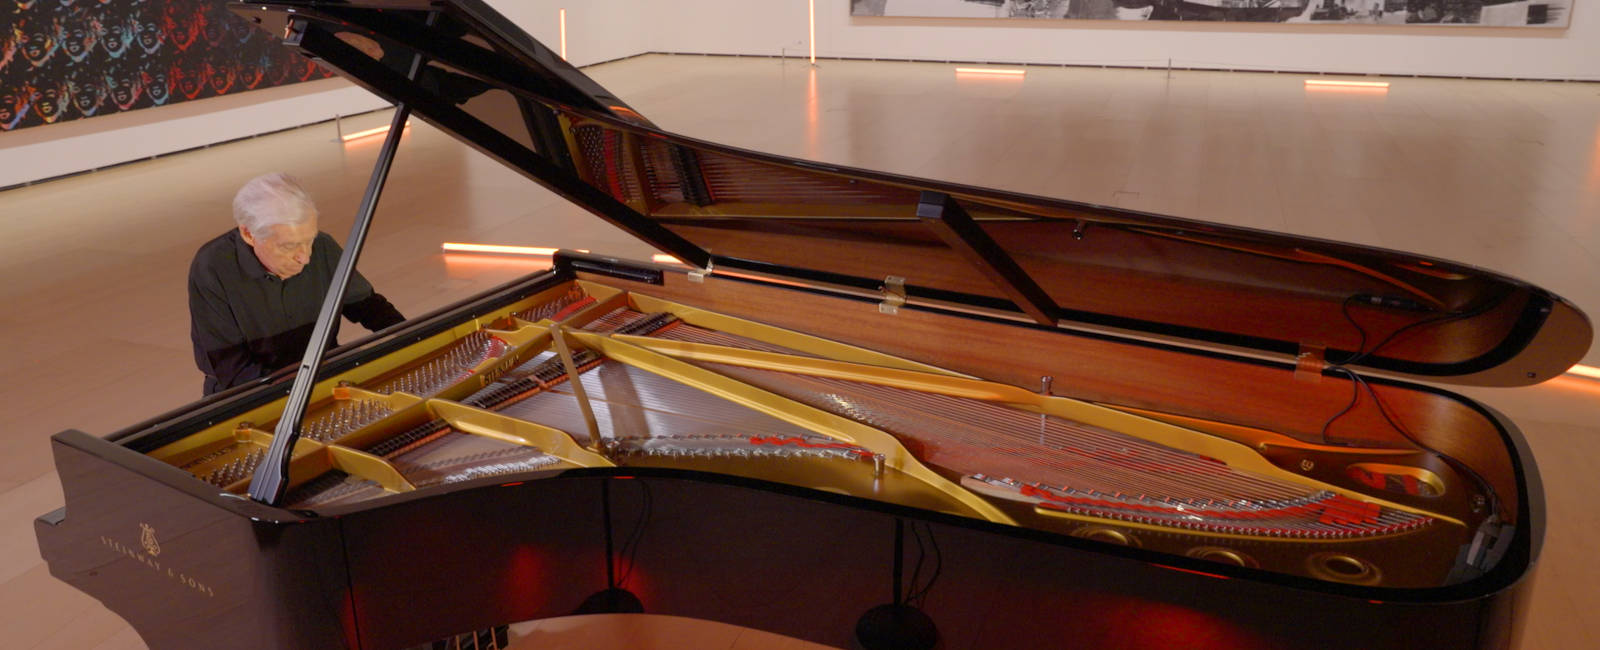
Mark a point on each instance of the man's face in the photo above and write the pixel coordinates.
(88, 93)
(278, 73)
(124, 87)
(215, 32)
(52, 102)
(252, 71)
(189, 79)
(14, 104)
(157, 86)
(220, 75)
(148, 32)
(116, 36)
(78, 41)
(284, 249)
(38, 42)
(183, 23)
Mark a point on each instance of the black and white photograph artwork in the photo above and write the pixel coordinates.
(1491, 13)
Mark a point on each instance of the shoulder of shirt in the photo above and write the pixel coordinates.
(326, 242)
(221, 249)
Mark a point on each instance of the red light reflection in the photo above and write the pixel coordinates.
(524, 579)
(1128, 622)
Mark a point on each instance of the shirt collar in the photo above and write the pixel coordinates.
(249, 264)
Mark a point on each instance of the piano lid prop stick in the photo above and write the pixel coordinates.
(271, 478)
(558, 335)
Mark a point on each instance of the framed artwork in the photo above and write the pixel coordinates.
(1495, 13)
(64, 60)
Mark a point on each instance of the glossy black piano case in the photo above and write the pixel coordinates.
(1230, 331)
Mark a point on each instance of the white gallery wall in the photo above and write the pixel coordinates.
(48, 151)
(610, 29)
(770, 27)
(53, 150)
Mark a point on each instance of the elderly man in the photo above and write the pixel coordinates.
(255, 291)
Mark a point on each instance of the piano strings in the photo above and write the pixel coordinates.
(1066, 471)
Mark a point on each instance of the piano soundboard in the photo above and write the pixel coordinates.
(661, 384)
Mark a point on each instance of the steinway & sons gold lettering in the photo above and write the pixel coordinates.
(156, 565)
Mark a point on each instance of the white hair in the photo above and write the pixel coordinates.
(272, 200)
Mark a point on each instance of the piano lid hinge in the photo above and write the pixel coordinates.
(1310, 363)
(294, 30)
(698, 276)
(894, 295)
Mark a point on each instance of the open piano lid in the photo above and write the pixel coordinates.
(1046, 261)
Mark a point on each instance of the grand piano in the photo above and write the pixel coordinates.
(860, 409)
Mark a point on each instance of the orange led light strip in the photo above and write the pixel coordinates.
(563, 16)
(454, 247)
(1348, 84)
(369, 132)
(533, 251)
(1005, 71)
(1585, 371)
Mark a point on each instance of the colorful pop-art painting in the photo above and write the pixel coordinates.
(64, 60)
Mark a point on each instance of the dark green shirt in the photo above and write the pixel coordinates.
(246, 322)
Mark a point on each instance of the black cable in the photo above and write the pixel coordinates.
(1493, 498)
(938, 568)
(646, 512)
(1344, 308)
(1358, 383)
(1355, 395)
(916, 572)
(630, 548)
(1361, 355)
(1362, 352)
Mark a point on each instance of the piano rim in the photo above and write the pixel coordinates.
(1513, 568)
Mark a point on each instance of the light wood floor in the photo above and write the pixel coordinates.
(1504, 175)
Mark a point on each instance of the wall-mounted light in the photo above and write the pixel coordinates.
(1585, 371)
(501, 249)
(811, 28)
(1005, 73)
(455, 247)
(1334, 83)
(470, 264)
(562, 16)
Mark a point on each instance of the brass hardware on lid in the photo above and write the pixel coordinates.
(1310, 363)
(294, 30)
(894, 294)
(698, 276)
